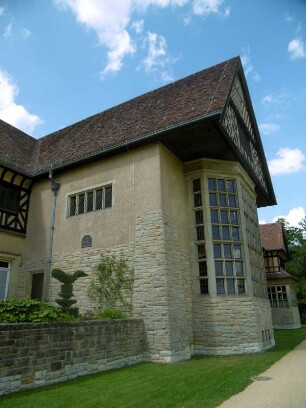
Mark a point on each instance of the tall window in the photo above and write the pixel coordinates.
(278, 296)
(226, 236)
(199, 234)
(4, 277)
(91, 200)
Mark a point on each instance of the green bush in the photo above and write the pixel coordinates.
(66, 293)
(30, 310)
(108, 314)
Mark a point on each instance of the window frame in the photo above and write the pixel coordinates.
(94, 189)
(6, 269)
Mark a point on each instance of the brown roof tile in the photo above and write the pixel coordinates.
(272, 237)
(196, 96)
(282, 274)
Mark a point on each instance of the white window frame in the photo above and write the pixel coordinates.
(3, 269)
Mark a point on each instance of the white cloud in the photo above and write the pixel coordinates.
(294, 216)
(296, 49)
(288, 17)
(268, 128)
(2, 9)
(273, 99)
(287, 161)
(157, 59)
(111, 21)
(10, 111)
(247, 64)
(207, 7)
(157, 49)
(138, 26)
(25, 32)
(8, 30)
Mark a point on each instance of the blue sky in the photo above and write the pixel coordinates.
(64, 60)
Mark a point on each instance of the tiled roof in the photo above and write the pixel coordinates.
(282, 274)
(197, 96)
(17, 149)
(272, 237)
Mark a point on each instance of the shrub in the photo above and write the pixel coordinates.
(66, 293)
(30, 310)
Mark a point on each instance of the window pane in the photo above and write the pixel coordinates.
(204, 286)
(196, 185)
(237, 252)
(81, 204)
(220, 286)
(201, 251)
(215, 232)
(108, 196)
(232, 200)
(229, 268)
(202, 269)
(212, 199)
(197, 198)
(225, 233)
(239, 269)
(3, 277)
(241, 286)
(219, 268)
(227, 249)
(198, 217)
(200, 233)
(214, 216)
(234, 217)
(230, 186)
(72, 209)
(212, 184)
(222, 200)
(99, 199)
(235, 234)
(221, 185)
(230, 286)
(224, 217)
(217, 251)
(89, 206)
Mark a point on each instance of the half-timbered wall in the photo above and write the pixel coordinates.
(237, 123)
(15, 192)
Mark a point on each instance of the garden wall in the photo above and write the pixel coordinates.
(37, 354)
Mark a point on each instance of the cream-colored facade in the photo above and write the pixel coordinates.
(151, 224)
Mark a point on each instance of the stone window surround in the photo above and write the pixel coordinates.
(85, 191)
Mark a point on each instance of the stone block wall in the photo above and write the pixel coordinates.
(232, 325)
(160, 288)
(286, 318)
(37, 354)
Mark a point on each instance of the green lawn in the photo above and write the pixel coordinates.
(199, 382)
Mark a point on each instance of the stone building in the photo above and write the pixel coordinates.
(170, 181)
(281, 285)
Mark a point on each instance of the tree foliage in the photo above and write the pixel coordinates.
(296, 240)
(296, 265)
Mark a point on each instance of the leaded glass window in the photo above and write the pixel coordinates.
(88, 201)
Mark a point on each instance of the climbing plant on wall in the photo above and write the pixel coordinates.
(112, 284)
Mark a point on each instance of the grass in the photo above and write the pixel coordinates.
(199, 382)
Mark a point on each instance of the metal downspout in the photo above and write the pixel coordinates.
(54, 188)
